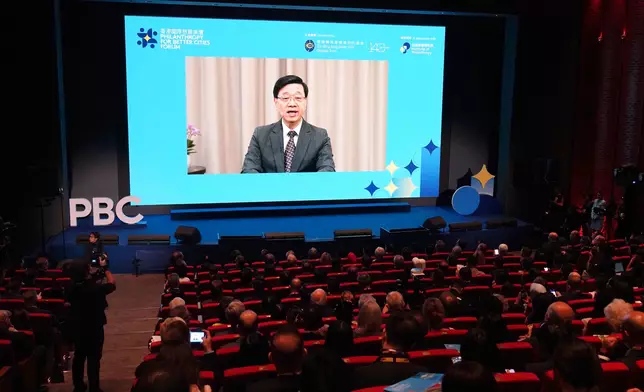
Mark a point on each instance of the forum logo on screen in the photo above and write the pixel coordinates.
(309, 45)
(146, 38)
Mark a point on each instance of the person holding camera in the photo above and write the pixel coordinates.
(88, 301)
(95, 247)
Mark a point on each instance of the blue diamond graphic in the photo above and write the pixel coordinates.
(372, 188)
(411, 167)
(431, 147)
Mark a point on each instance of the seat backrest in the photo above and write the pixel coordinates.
(515, 355)
(249, 373)
(360, 360)
(515, 382)
(436, 361)
(615, 376)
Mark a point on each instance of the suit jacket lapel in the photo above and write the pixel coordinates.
(277, 139)
(302, 145)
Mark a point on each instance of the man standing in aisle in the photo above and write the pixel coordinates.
(88, 301)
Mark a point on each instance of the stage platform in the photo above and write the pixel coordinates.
(318, 231)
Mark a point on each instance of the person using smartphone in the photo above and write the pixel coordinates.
(87, 299)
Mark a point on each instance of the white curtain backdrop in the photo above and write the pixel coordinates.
(228, 97)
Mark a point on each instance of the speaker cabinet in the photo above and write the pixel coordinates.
(187, 235)
(353, 233)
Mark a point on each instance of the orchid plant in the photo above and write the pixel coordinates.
(191, 133)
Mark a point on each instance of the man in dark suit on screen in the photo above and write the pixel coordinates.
(291, 144)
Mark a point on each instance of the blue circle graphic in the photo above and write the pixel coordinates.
(466, 200)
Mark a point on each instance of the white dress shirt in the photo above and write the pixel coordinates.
(286, 130)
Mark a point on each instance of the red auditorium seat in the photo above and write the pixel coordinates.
(381, 266)
(434, 292)
(385, 285)
(515, 355)
(226, 356)
(577, 327)
(513, 318)
(270, 326)
(589, 285)
(460, 322)
(190, 297)
(360, 360)
(581, 303)
(598, 326)
(615, 377)
(436, 361)
(351, 286)
(512, 266)
(43, 283)
(306, 278)
(249, 373)
(370, 345)
(206, 378)
(513, 382)
(478, 290)
(447, 336)
(42, 326)
(312, 287)
(12, 304)
(6, 353)
(209, 311)
(54, 273)
(218, 341)
(312, 344)
(255, 305)
(516, 331)
(187, 287)
(583, 313)
(291, 301)
(6, 378)
(638, 376)
(54, 305)
(593, 341)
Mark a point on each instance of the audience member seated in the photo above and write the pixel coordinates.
(175, 353)
(478, 347)
(233, 312)
(616, 314)
(467, 376)
(576, 367)
(318, 300)
(633, 339)
(13, 289)
(394, 303)
(393, 364)
(22, 345)
(287, 354)
(369, 320)
(554, 331)
(172, 286)
(253, 345)
(454, 255)
(434, 313)
(573, 289)
(314, 327)
(164, 379)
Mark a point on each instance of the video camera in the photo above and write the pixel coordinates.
(98, 264)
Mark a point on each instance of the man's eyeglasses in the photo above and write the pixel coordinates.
(297, 98)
